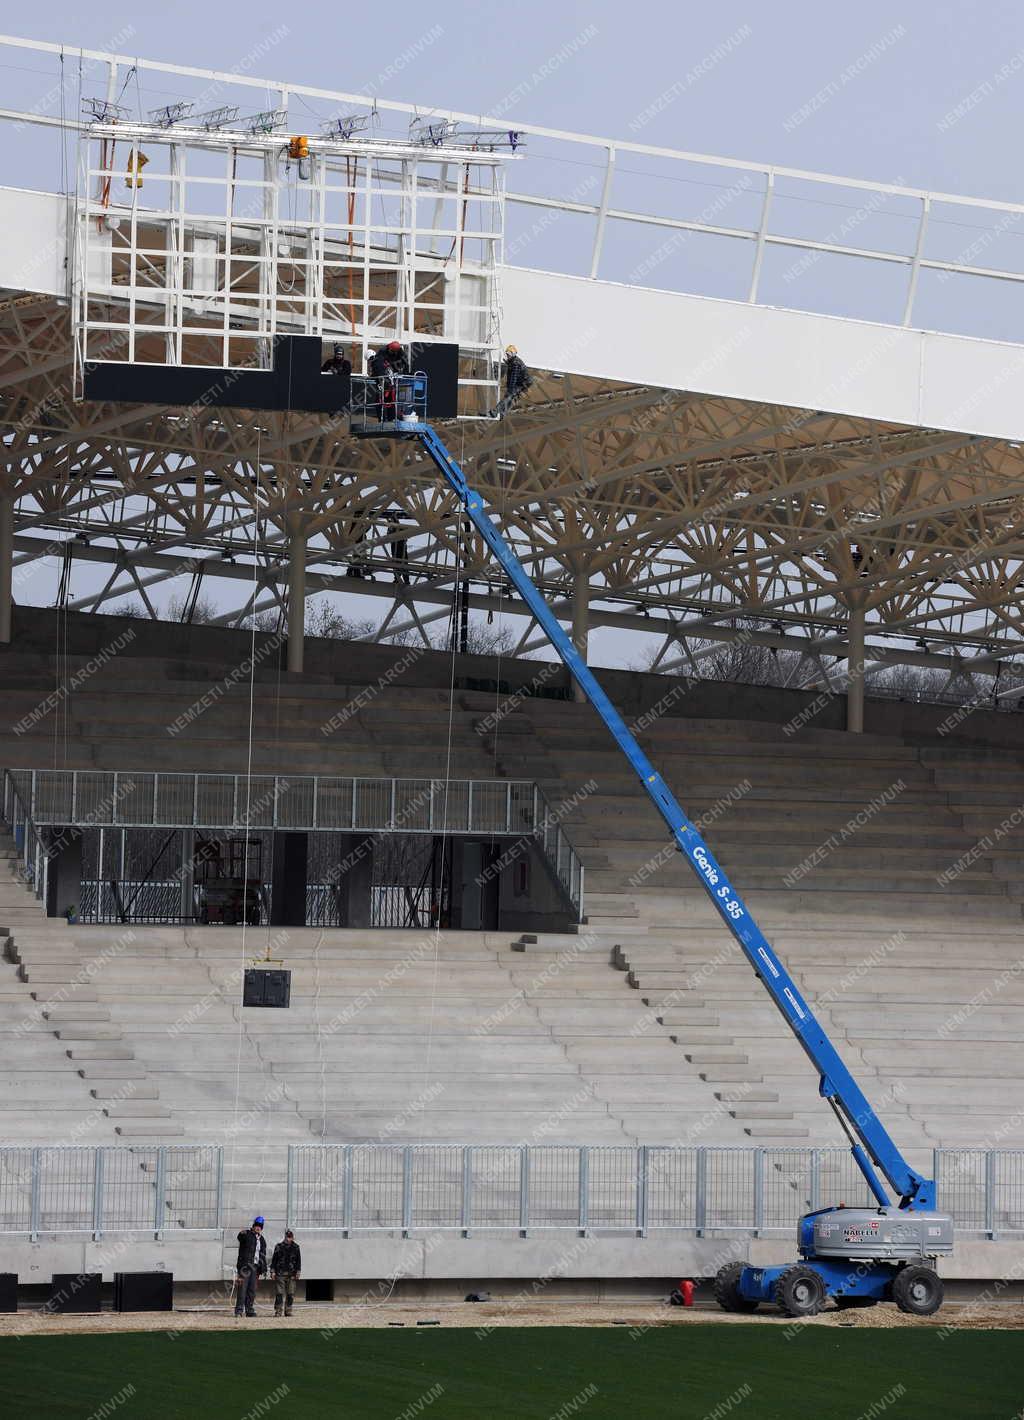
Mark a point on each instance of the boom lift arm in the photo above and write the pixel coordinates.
(870, 1142)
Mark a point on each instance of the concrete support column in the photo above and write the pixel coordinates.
(296, 592)
(580, 621)
(6, 566)
(855, 671)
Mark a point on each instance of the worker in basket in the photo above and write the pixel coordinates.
(385, 367)
(338, 364)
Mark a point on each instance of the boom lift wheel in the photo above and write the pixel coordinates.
(727, 1289)
(800, 1291)
(918, 1290)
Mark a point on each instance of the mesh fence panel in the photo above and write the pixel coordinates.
(129, 1194)
(671, 1188)
(496, 1182)
(54, 794)
(215, 799)
(437, 1186)
(490, 803)
(318, 1187)
(451, 807)
(66, 1189)
(377, 1187)
(373, 803)
(729, 1195)
(334, 803)
(612, 1188)
(175, 795)
(94, 801)
(554, 1186)
(133, 799)
(191, 1177)
(786, 1186)
(1008, 1190)
(15, 1190)
(295, 802)
(412, 805)
(841, 1181)
(961, 1185)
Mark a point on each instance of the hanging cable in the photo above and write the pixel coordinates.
(248, 791)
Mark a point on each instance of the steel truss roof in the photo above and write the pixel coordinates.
(683, 512)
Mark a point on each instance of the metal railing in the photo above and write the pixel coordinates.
(618, 1188)
(358, 1188)
(96, 798)
(618, 190)
(144, 1188)
(34, 856)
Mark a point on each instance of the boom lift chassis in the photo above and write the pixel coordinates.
(857, 1256)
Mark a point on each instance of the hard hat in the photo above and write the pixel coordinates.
(259, 1221)
(511, 350)
(394, 345)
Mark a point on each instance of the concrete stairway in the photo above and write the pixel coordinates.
(61, 982)
(858, 856)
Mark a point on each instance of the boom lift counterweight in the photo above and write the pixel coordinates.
(856, 1255)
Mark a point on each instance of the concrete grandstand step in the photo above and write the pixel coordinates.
(145, 1129)
(74, 1012)
(108, 1088)
(101, 1050)
(136, 1109)
(760, 1110)
(72, 1032)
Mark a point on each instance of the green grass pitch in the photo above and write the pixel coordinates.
(707, 1372)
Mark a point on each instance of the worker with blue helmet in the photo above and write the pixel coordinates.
(250, 1266)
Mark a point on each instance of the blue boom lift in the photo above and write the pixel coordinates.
(857, 1256)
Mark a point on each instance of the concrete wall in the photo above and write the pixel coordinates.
(191, 650)
(556, 1257)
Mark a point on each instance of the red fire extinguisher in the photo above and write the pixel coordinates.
(686, 1292)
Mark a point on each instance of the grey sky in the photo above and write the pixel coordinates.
(882, 121)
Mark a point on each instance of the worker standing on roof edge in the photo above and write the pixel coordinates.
(517, 381)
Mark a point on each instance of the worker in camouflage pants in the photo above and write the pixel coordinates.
(285, 1267)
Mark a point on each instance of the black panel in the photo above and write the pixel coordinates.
(319, 1289)
(295, 382)
(440, 363)
(8, 1291)
(288, 880)
(75, 1292)
(143, 1291)
(267, 988)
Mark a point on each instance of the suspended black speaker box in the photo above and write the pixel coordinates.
(267, 988)
(8, 1291)
(75, 1292)
(143, 1291)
